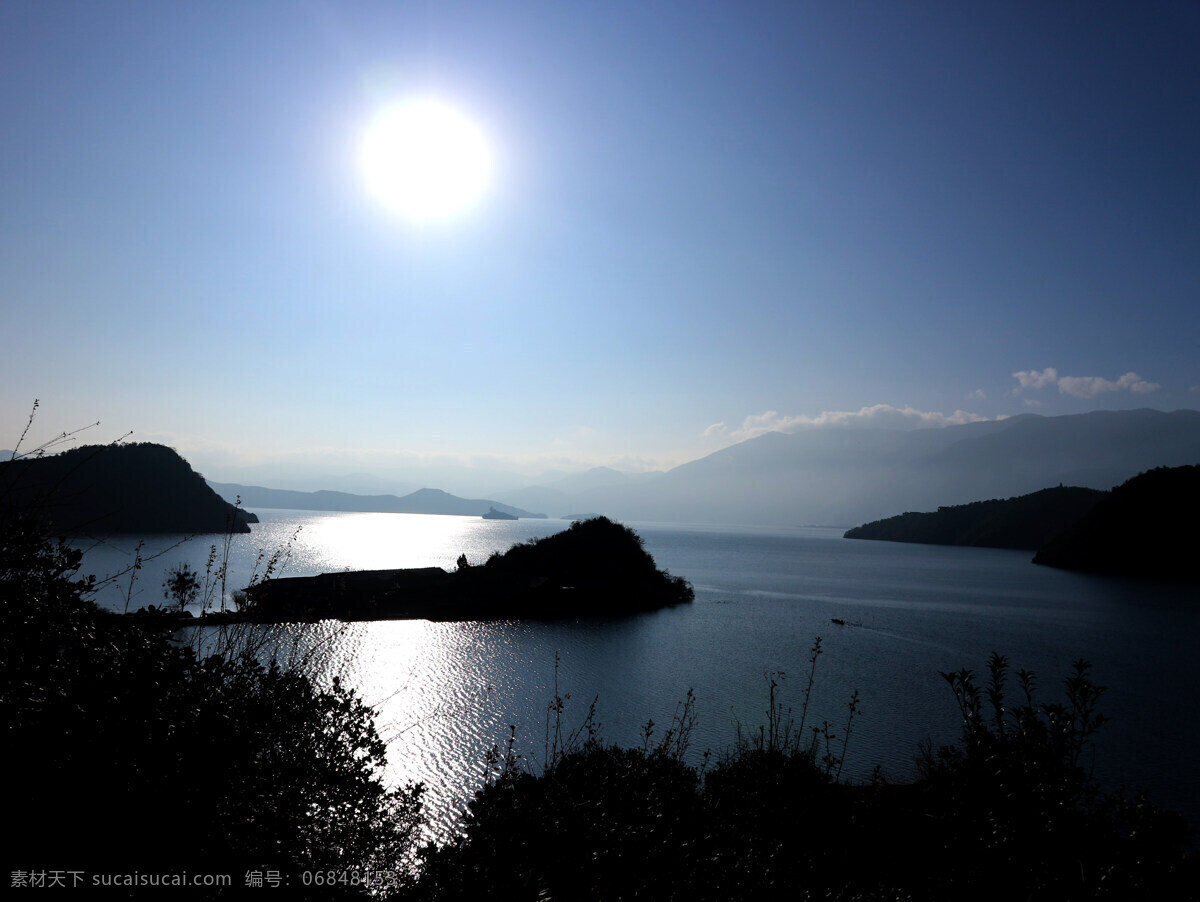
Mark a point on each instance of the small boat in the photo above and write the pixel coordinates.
(493, 514)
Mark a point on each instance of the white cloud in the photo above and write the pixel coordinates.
(1083, 386)
(978, 395)
(1090, 386)
(877, 415)
(1034, 379)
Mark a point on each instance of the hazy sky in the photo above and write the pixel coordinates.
(700, 220)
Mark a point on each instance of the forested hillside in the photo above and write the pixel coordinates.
(1027, 521)
(103, 489)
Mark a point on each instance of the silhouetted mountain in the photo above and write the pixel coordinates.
(854, 475)
(1146, 527)
(103, 489)
(422, 501)
(1028, 521)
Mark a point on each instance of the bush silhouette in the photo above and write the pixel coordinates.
(1019, 811)
(134, 752)
(603, 822)
(1007, 813)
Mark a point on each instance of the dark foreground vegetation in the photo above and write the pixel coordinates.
(593, 568)
(1007, 813)
(130, 752)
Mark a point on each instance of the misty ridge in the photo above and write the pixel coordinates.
(422, 501)
(846, 476)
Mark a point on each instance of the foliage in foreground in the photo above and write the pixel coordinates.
(1008, 813)
(131, 750)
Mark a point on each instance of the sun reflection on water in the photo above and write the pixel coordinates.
(439, 705)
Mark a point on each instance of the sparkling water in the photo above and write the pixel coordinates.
(890, 616)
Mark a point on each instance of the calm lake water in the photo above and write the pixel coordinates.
(445, 692)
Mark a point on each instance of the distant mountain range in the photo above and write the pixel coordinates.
(829, 476)
(422, 501)
(823, 476)
(558, 494)
(846, 476)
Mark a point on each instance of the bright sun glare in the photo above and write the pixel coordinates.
(424, 160)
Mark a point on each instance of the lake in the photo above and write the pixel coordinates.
(445, 692)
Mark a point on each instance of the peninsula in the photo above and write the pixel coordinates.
(1145, 528)
(593, 568)
(1025, 522)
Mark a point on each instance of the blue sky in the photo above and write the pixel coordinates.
(701, 221)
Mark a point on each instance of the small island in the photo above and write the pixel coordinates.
(493, 514)
(593, 568)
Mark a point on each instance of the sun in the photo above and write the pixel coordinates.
(424, 160)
